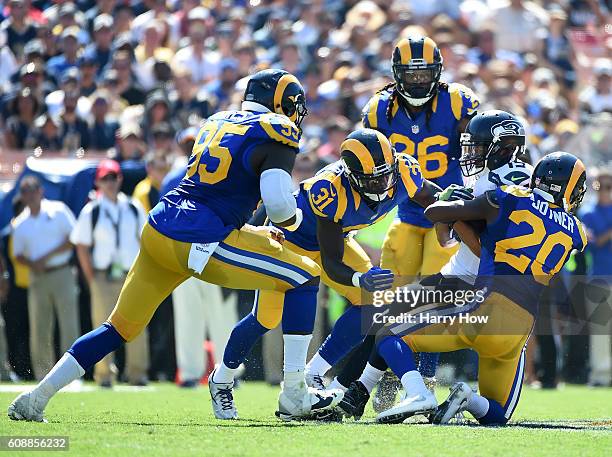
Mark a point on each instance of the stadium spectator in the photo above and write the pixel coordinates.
(18, 27)
(88, 68)
(23, 110)
(41, 242)
(102, 129)
(189, 102)
(107, 239)
(46, 134)
(130, 145)
(127, 86)
(100, 49)
(146, 191)
(519, 25)
(597, 97)
(69, 57)
(598, 221)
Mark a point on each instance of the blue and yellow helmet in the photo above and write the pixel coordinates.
(280, 92)
(417, 66)
(370, 163)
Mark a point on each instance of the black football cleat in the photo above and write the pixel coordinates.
(355, 400)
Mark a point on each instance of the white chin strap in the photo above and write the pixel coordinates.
(416, 101)
(376, 197)
(545, 195)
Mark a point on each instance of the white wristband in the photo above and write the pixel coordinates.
(355, 279)
(299, 217)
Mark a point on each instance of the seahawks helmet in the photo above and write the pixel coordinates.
(370, 163)
(491, 139)
(417, 66)
(280, 92)
(561, 178)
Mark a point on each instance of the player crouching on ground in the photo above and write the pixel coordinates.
(528, 237)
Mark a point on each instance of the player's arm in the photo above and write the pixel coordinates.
(427, 194)
(331, 243)
(273, 162)
(483, 207)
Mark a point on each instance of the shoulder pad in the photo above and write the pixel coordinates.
(375, 108)
(410, 173)
(582, 232)
(327, 195)
(280, 128)
(516, 191)
(463, 100)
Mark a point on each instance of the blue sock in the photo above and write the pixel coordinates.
(346, 334)
(428, 362)
(242, 339)
(299, 310)
(397, 354)
(495, 415)
(92, 347)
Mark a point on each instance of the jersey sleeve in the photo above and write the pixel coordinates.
(280, 129)
(464, 102)
(327, 198)
(410, 174)
(581, 240)
(373, 115)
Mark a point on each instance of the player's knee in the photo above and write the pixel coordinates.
(312, 282)
(270, 321)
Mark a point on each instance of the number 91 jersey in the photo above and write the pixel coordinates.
(431, 137)
(220, 190)
(526, 245)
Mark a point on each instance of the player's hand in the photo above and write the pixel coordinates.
(455, 192)
(277, 234)
(375, 279)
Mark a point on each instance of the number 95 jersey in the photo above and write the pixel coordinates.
(220, 190)
(431, 137)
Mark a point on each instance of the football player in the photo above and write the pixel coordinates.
(369, 181)
(491, 144)
(198, 229)
(422, 117)
(527, 239)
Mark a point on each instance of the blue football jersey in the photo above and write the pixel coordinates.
(329, 195)
(432, 139)
(220, 190)
(526, 245)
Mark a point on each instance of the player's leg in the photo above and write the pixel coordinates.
(154, 274)
(399, 238)
(500, 344)
(434, 258)
(348, 329)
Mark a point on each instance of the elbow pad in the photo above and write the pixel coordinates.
(276, 188)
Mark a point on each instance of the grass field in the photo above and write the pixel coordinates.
(165, 421)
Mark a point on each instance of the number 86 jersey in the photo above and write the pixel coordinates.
(220, 190)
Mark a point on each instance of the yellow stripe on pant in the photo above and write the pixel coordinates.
(499, 343)
(409, 250)
(249, 259)
(268, 307)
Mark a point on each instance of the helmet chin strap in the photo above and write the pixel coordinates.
(416, 101)
(376, 197)
(545, 195)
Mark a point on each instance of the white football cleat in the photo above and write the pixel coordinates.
(455, 404)
(423, 403)
(315, 380)
(222, 398)
(431, 384)
(297, 400)
(29, 406)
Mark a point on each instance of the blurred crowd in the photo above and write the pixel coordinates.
(131, 77)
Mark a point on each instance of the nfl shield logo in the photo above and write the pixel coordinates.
(415, 129)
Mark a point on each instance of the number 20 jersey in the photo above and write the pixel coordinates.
(220, 190)
(431, 139)
(526, 245)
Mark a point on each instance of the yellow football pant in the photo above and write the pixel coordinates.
(268, 308)
(409, 250)
(499, 342)
(247, 259)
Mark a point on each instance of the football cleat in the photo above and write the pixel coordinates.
(315, 380)
(298, 401)
(355, 400)
(386, 392)
(412, 405)
(222, 398)
(431, 384)
(454, 405)
(29, 406)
